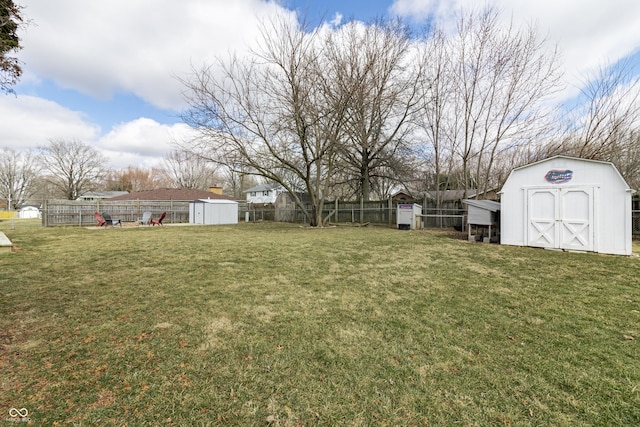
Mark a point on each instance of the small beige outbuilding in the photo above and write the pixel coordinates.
(567, 203)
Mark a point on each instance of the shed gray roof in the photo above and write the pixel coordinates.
(103, 194)
(489, 205)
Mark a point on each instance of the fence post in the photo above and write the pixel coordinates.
(45, 216)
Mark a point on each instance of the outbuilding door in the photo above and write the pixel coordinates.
(560, 218)
(198, 213)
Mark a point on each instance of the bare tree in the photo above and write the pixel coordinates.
(605, 123)
(434, 127)
(371, 67)
(187, 170)
(137, 179)
(611, 111)
(608, 115)
(500, 78)
(18, 175)
(627, 158)
(270, 112)
(74, 167)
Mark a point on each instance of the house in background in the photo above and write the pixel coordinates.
(29, 211)
(402, 197)
(178, 194)
(264, 193)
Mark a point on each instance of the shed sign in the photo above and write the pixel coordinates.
(556, 176)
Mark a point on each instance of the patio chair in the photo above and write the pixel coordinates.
(146, 218)
(100, 220)
(158, 221)
(109, 221)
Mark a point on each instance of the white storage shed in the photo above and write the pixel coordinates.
(213, 211)
(567, 203)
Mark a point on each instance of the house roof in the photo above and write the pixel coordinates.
(489, 205)
(182, 194)
(216, 201)
(103, 194)
(264, 187)
(575, 159)
(402, 194)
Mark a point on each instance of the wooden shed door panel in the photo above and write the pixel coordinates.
(560, 218)
(542, 230)
(576, 218)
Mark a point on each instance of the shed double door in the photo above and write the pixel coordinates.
(560, 218)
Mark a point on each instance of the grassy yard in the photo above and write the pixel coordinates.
(271, 324)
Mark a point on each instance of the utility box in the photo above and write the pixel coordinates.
(408, 216)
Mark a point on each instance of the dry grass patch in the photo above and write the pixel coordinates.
(271, 324)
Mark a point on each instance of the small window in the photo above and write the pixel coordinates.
(253, 194)
(266, 193)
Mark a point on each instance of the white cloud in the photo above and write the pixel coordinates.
(588, 33)
(104, 47)
(337, 19)
(29, 122)
(142, 142)
(98, 47)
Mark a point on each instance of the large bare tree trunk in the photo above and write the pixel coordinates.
(374, 73)
(271, 114)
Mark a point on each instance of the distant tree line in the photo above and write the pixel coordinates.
(68, 169)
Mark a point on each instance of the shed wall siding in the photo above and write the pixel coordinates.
(479, 216)
(213, 213)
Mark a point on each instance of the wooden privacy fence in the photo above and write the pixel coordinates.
(74, 212)
(71, 212)
(80, 213)
(377, 212)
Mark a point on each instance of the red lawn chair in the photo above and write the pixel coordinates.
(100, 220)
(158, 221)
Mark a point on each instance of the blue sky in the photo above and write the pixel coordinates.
(105, 72)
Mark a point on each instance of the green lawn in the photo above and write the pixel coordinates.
(276, 324)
